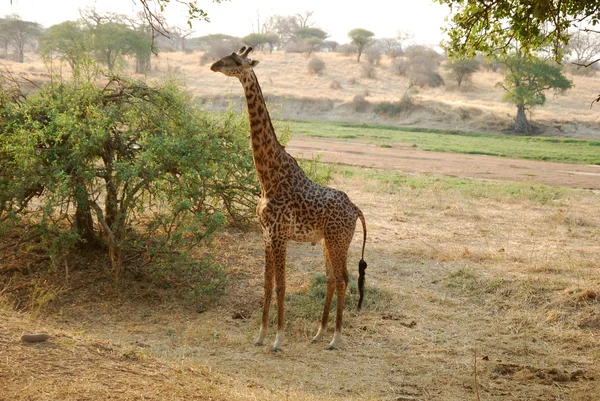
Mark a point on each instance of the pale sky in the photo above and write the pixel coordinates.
(422, 18)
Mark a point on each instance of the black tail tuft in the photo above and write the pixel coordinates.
(362, 266)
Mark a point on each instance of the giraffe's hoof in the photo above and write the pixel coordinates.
(276, 349)
(332, 347)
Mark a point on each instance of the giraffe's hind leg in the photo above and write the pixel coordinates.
(328, 295)
(341, 283)
(335, 254)
(279, 252)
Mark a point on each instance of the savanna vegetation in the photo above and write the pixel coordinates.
(127, 195)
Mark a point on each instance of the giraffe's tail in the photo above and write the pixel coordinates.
(362, 265)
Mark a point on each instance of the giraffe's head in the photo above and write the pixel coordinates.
(236, 64)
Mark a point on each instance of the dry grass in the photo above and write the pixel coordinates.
(513, 280)
(284, 77)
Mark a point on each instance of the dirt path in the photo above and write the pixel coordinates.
(403, 157)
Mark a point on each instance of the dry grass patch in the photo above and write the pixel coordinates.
(454, 270)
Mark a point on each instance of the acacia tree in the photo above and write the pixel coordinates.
(361, 38)
(256, 40)
(492, 26)
(19, 33)
(113, 40)
(462, 70)
(526, 79)
(69, 40)
(308, 40)
(495, 27)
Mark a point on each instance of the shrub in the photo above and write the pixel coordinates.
(347, 50)
(360, 103)
(318, 171)
(335, 85)
(316, 66)
(395, 53)
(124, 167)
(401, 67)
(424, 64)
(217, 50)
(405, 105)
(373, 55)
(368, 71)
(425, 78)
(462, 70)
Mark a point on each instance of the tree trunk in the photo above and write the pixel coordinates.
(522, 126)
(143, 64)
(84, 224)
(111, 201)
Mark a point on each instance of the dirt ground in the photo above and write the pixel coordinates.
(405, 158)
(483, 300)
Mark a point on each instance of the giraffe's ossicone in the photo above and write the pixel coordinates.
(292, 207)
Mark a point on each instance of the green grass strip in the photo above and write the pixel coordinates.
(563, 150)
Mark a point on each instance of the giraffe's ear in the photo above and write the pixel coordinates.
(254, 63)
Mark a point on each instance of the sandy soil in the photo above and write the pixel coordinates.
(407, 159)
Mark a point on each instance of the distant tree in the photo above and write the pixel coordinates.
(495, 27)
(303, 18)
(69, 40)
(525, 81)
(256, 40)
(4, 36)
(391, 47)
(114, 40)
(361, 38)
(423, 66)
(272, 40)
(19, 33)
(306, 40)
(205, 42)
(331, 45)
(309, 33)
(462, 70)
(584, 46)
(179, 35)
(283, 26)
(394, 47)
(374, 52)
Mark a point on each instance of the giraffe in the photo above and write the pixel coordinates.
(292, 207)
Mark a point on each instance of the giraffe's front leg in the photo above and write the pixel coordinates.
(279, 252)
(269, 272)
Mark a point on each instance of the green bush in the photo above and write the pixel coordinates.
(126, 167)
(391, 109)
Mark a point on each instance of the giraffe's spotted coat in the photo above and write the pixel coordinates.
(292, 207)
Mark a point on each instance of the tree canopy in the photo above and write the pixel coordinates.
(496, 26)
(361, 38)
(18, 33)
(526, 79)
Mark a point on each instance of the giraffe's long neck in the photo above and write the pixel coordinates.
(267, 152)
